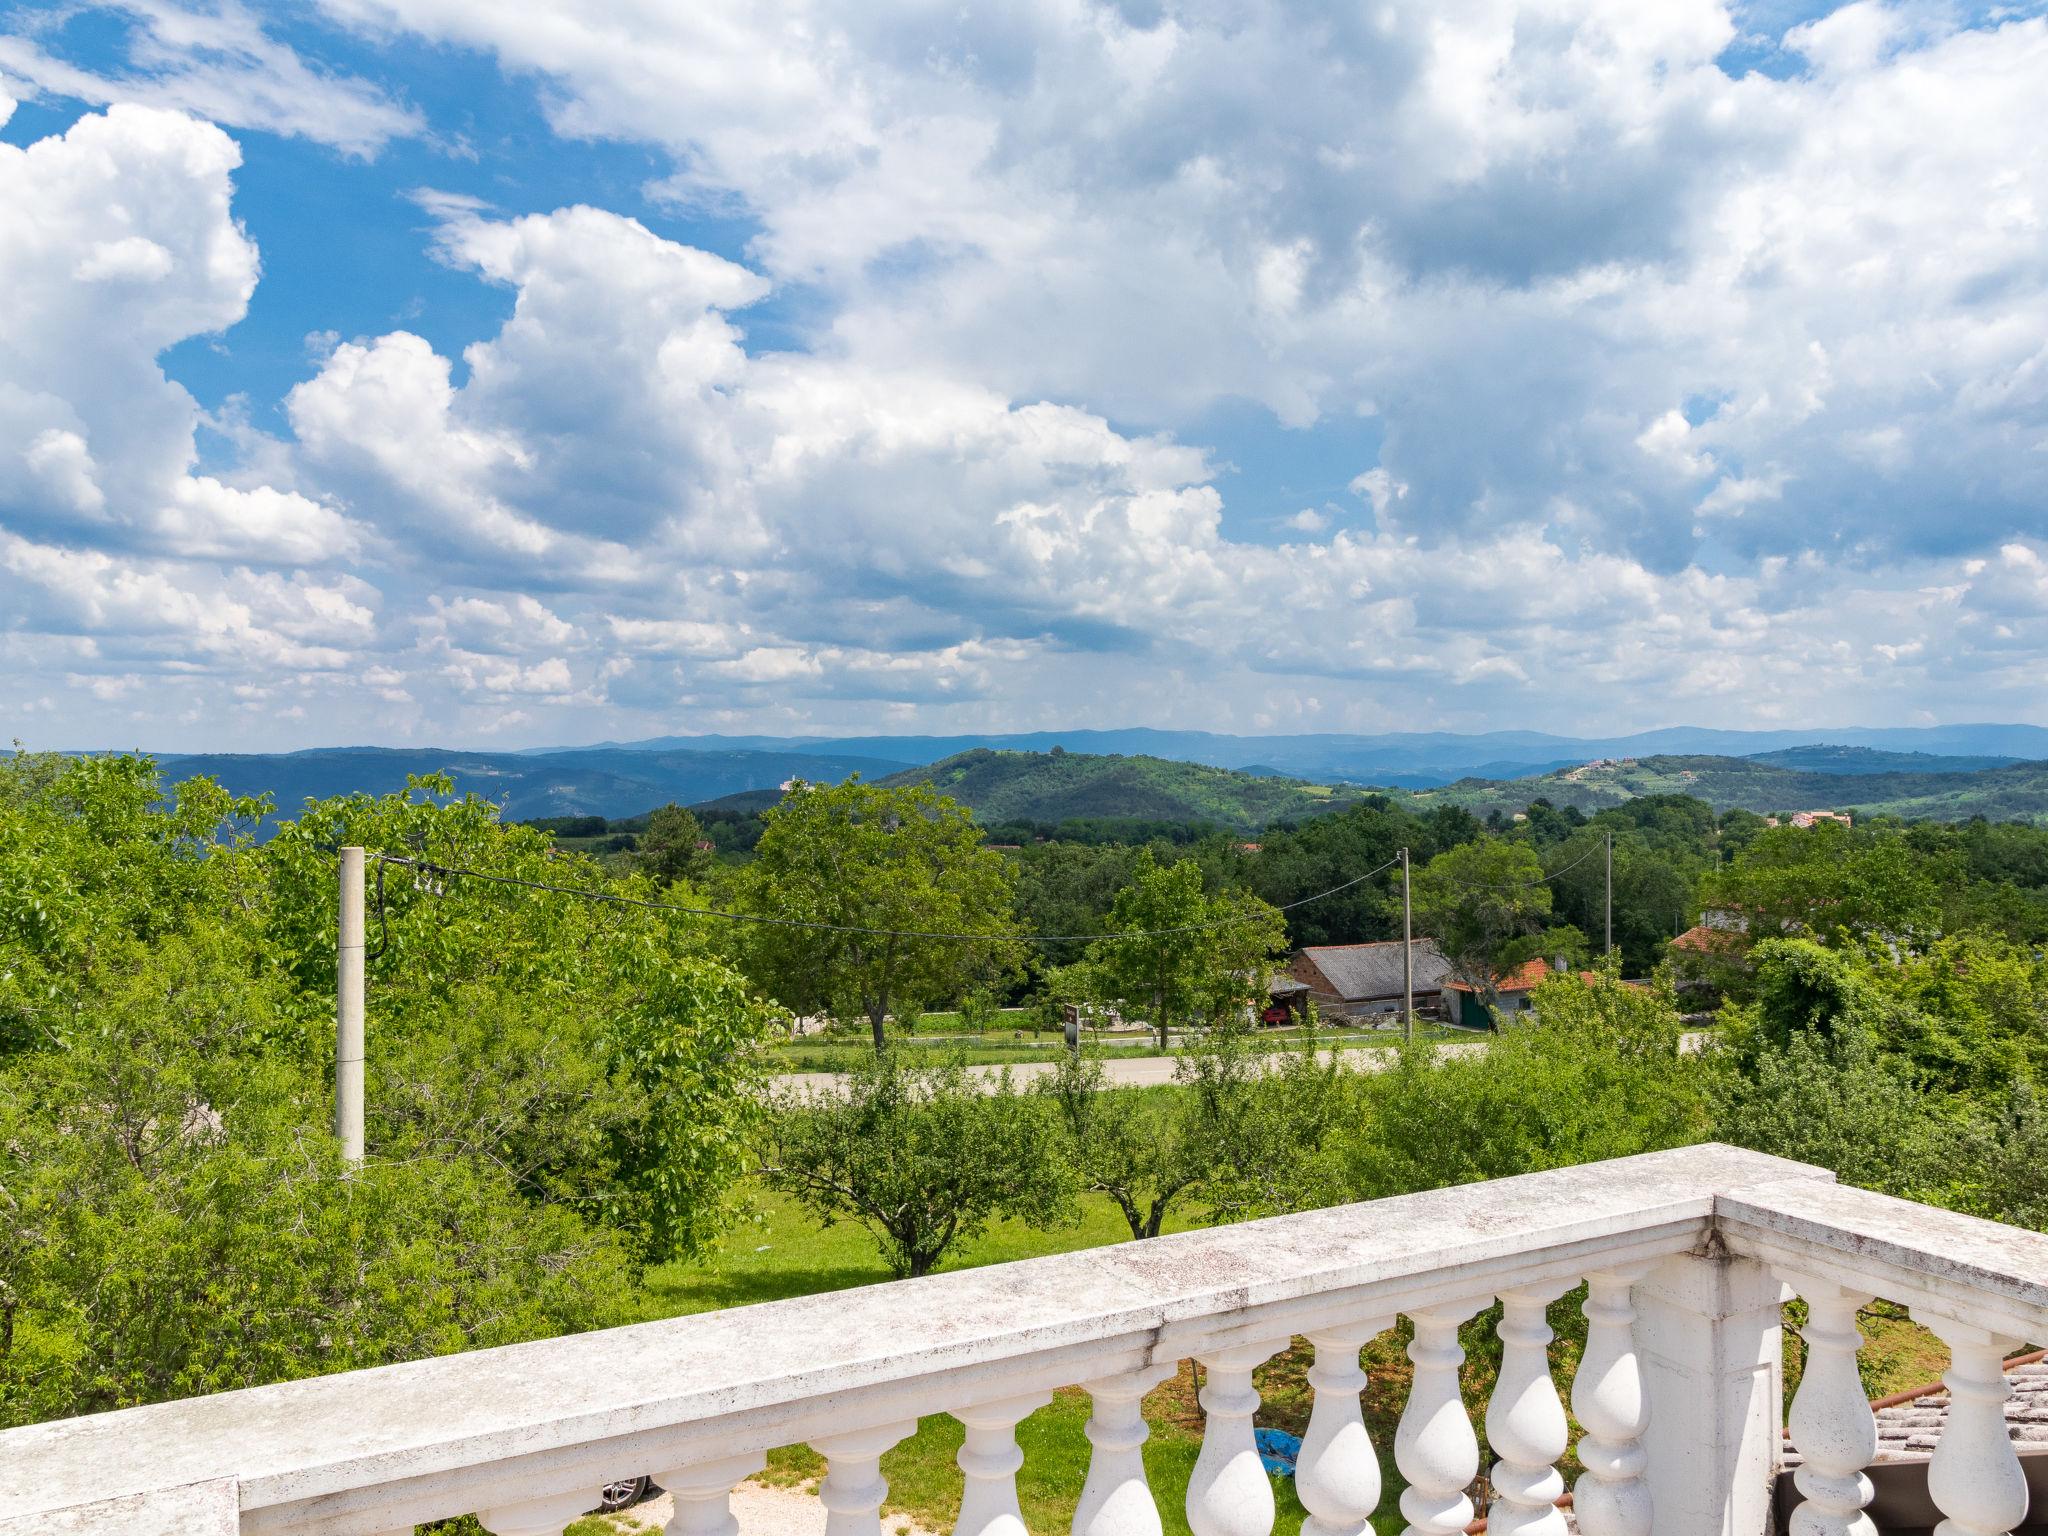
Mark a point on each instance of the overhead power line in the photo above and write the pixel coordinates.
(427, 867)
(1525, 885)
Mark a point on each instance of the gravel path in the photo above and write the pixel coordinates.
(1151, 1071)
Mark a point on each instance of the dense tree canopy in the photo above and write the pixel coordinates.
(556, 1089)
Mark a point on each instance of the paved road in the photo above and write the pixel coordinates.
(1150, 1071)
(1131, 1071)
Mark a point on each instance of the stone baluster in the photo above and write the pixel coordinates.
(1611, 1499)
(1229, 1493)
(1975, 1477)
(1832, 1426)
(990, 1457)
(1433, 1444)
(1116, 1500)
(853, 1487)
(1337, 1474)
(1525, 1422)
(539, 1517)
(703, 1494)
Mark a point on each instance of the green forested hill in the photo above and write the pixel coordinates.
(1066, 786)
(1850, 782)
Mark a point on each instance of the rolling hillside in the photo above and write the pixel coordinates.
(591, 782)
(1853, 779)
(1064, 786)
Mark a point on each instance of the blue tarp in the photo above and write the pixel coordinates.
(1278, 1450)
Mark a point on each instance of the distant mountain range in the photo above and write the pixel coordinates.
(1945, 771)
(1412, 760)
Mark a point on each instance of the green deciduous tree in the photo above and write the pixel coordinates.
(1266, 1122)
(174, 1217)
(862, 856)
(1139, 1147)
(671, 848)
(1830, 881)
(1597, 1074)
(1188, 957)
(1477, 900)
(920, 1156)
(558, 1089)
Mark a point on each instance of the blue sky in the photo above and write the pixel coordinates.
(396, 370)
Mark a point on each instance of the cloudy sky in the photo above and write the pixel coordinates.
(459, 371)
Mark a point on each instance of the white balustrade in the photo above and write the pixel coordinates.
(990, 1458)
(1975, 1478)
(527, 1434)
(539, 1517)
(1337, 1472)
(853, 1486)
(1434, 1445)
(1229, 1493)
(1116, 1500)
(1525, 1421)
(1831, 1422)
(1611, 1498)
(703, 1494)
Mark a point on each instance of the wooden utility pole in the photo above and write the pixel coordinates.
(1610, 890)
(348, 1011)
(1407, 955)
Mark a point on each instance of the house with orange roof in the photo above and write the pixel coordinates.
(1464, 1003)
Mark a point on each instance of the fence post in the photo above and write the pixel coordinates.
(348, 1011)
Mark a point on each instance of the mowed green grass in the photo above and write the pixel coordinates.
(785, 1252)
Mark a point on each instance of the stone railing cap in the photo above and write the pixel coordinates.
(1979, 1261)
(361, 1427)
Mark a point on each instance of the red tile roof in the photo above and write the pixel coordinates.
(1524, 978)
(1705, 940)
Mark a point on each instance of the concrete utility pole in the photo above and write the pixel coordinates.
(1407, 955)
(348, 1010)
(1610, 890)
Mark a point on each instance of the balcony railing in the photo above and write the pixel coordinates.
(1688, 1257)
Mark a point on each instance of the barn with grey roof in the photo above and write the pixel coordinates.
(1356, 979)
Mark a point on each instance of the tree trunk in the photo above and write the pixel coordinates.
(1158, 1216)
(1159, 1018)
(1131, 1217)
(877, 1012)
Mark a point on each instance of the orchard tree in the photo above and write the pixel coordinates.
(1477, 901)
(1142, 1149)
(920, 1155)
(1181, 953)
(876, 863)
